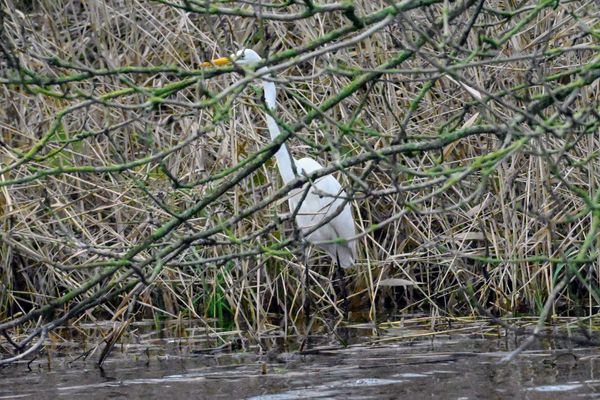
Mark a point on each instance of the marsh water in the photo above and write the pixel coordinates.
(359, 362)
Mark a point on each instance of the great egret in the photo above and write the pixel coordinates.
(325, 196)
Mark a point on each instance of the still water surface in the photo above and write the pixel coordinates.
(442, 367)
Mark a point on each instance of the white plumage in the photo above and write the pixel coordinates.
(325, 196)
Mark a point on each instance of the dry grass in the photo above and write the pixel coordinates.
(490, 221)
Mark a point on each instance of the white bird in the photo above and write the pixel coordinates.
(325, 196)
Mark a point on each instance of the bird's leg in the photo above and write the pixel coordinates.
(341, 278)
(306, 303)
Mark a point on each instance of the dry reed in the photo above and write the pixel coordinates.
(133, 186)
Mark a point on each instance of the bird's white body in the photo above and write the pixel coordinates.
(324, 199)
(325, 196)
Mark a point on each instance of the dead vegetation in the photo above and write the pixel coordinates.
(135, 184)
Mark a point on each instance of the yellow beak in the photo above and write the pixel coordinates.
(217, 61)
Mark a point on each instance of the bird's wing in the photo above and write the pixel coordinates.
(324, 198)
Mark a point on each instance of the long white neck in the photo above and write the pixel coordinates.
(284, 158)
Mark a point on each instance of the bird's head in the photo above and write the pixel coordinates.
(242, 57)
(246, 57)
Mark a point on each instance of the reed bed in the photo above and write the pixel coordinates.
(136, 184)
